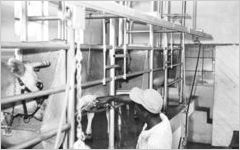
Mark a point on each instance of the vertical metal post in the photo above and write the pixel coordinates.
(120, 30)
(182, 70)
(165, 53)
(151, 43)
(171, 47)
(112, 42)
(182, 83)
(104, 50)
(194, 20)
(126, 40)
(71, 74)
(61, 25)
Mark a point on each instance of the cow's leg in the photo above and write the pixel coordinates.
(89, 125)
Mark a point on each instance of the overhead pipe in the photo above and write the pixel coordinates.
(35, 45)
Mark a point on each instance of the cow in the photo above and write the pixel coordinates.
(11, 71)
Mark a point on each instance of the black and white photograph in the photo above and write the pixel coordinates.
(127, 74)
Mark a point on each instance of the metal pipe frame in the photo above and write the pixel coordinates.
(35, 45)
(44, 18)
(165, 54)
(186, 16)
(71, 65)
(117, 9)
(171, 47)
(182, 42)
(27, 96)
(58, 18)
(174, 65)
(155, 31)
(125, 47)
(51, 46)
(103, 17)
(112, 41)
(175, 81)
(151, 43)
(40, 138)
(194, 20)
(125, 62)
(104, 50)
(12, 99)
(112, 66)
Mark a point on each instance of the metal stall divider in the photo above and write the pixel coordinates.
(44, 46)
(114, 9)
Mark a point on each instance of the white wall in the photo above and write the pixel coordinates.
(220, 19)
(226, 102)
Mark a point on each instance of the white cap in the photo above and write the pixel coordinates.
(150, 99)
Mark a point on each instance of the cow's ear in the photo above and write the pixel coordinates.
(16, 67)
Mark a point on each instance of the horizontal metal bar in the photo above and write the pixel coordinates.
(96, 82)
(175, 65)
(158, 69)
(16, 98)
(102, 17)
(201, 57)
(41, 137)
(138, 31)
(135, 47)
(166, 31)
(35, 45)
(44, 18)
(139, 47)
(180, 16)
(199, 70)
(119, 56)
(132, 74)
(32, 95)
(88, 46)
(112, 66)
(155, 31)
(175, 81)
(117, 9)
(56, 18)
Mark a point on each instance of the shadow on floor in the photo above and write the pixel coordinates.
(193, 145)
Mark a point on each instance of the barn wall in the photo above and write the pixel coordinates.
(226, 95)
(220, 19)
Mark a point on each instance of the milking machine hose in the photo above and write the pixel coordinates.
(193, 84)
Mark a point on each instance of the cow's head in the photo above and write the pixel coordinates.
(26, 73)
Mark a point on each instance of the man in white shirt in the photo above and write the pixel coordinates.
(156, 133)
